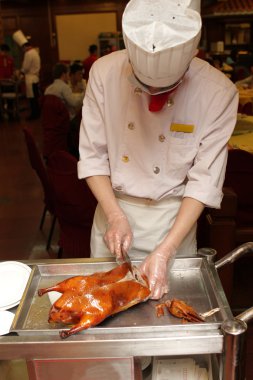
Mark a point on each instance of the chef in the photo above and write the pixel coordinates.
(30, 69)
(153, 138)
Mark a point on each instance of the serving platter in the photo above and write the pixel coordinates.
(14, 276)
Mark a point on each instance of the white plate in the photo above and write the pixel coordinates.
(54, 296)
(13, 279)
(6, 318)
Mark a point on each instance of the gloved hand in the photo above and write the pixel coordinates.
(155, 267)
(118, 236)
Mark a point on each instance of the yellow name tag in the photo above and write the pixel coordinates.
(186, 128)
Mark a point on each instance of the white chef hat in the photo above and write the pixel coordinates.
(161, 38)
(19, 38)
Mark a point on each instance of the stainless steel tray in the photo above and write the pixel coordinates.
(193, 280)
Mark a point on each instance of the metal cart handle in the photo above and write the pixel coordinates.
(234, 353)
(235, 254)
(234, 330)
(246, 315)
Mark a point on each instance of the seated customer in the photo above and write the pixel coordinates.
(76, 81)
(62, 90)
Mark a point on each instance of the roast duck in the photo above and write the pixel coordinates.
(87, 300)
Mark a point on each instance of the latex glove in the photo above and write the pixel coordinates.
(118, 236)
(155, 267)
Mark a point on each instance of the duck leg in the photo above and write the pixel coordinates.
(85, 322)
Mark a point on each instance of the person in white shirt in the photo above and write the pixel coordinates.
(31, 70)
(76, 81)
(60, 88)
(153, 138)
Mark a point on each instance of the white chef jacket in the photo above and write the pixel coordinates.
(31, 69)
(139, 150)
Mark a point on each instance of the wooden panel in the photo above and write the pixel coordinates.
(9, 24)
(1, 31)
(36, 27)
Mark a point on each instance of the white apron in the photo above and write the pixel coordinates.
(29, 80)
(150, 222)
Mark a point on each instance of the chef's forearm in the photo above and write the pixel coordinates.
(101, 187)
(187, 216)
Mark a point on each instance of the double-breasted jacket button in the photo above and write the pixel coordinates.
(170, 102)
(156, 170)
(138, 90)
(161, 138)
(131, 126)
(125, 158)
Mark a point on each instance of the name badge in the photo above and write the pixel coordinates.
(186, 128)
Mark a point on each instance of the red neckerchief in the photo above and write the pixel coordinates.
(29, 48)
(157, 101)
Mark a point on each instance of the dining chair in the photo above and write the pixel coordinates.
(10, 96)
(239, 177)
(247, 108)
(55, 125)
(37, 164)
(230, 226)
(74, 205)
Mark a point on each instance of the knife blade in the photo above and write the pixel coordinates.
(127, 258)
(124, 259)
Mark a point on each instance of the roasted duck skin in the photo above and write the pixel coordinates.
(87, 300)
(82, 283)
(179, 309)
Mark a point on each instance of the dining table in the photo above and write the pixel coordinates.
(245, 96)
(242, 137)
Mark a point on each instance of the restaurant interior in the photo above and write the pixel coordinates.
(63, 30)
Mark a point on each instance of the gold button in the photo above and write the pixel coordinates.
(156, 170)
(125, 158)
(170, 102)
(138, 90)
(161, 138)
(131, 126)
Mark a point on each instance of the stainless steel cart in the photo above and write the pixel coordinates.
(136, 332)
